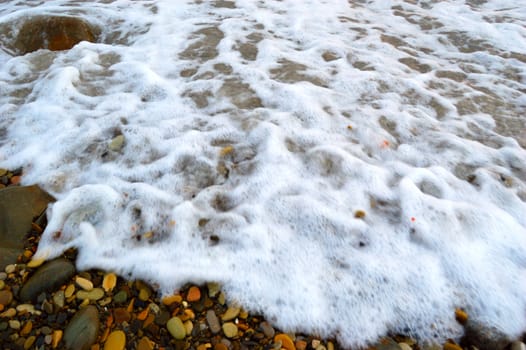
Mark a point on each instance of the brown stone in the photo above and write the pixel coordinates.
(121, 315)
(54, 33)
(5, 297)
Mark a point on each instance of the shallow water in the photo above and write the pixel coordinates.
(258, 134)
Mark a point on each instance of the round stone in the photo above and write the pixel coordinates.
(5, 297)
(176, 328)
(82, 331)
(116, 341)
(230, 330)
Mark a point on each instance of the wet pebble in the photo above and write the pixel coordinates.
(230, 329)
(286, 341)
(14, 324)
(28, 343)
(267, 329)
(47, 278)
(194, 294)
(5, 297)
(213, 321)
(109, 282)
(230, 314)
(176, 328)
(84, 283)
(121, 315)
(145, 344)
(404, 346)
(59, 299)
(94, 294)
(82, 331)
(121, 297)
(116, 341)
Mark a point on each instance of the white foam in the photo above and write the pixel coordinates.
(413, 114)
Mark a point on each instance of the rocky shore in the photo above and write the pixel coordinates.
(51, 305)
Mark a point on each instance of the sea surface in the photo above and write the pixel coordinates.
(347, 168)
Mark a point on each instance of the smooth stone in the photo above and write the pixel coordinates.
(230, 330)
(14, 324)
(176, 328)
(48, 339)
(145, 344)
(5, 297)
(11, 312)
(231, 313)
(121, 315)
(144, 294)
(26, 309)
(18, 206)
(117, 143)
(213, 289)
(2, 284)
(82, 331)
(46, 330)
(267, 329)
(47, 278)
(59, 298)
(53, 33)
(29, 342)
(404, 346)
(84, 283)
(483, 337)
(94, 294)
(116, 341)
(121, 297)
(213, 321)
(109, 282)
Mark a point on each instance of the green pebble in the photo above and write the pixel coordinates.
(176, 328)
(3, 171)
(94, 294)
(120, 297)
(144, 294)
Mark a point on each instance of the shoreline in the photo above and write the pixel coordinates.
(128, 314)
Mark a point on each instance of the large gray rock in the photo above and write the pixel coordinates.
(47, 278)
(83, 329)
(18, 206)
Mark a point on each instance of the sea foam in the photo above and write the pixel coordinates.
(346, 168)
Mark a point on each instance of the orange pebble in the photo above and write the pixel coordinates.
(15, 180)
(194, 294)
(286, 342)
(130, 305)
(143, 314)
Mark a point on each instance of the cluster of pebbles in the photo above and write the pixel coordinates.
(51, 305)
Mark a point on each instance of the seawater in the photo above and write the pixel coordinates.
(348, 168)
